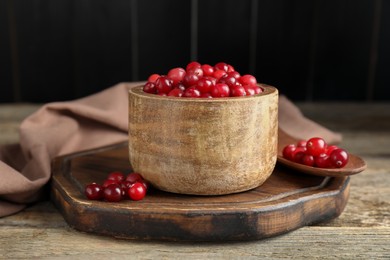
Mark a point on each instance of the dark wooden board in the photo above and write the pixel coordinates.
(286, 201)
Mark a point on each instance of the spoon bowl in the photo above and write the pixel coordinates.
(355, 163)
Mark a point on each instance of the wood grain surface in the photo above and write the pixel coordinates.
(286, 201)
(362, 231)
(203, 146)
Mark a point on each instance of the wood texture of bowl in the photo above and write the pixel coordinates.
(203, 146)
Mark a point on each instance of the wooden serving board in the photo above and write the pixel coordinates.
(286, 201)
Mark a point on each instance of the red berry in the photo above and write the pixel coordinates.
(137, 191)
(113, 193)
(228, 80)
(94, 191)
(177, 75)
(206, 95)
(125, 186)
(301, 143)
(308, 160)
(237, 91)
(234, 74)
(190, 79)
(249, 90)
(134, 177)
(298, 154)
(152, 78)
(208, 70)
(204, 85)
(257, 89)
(316, 146)
(145, 183)
(164, 85)
(212, 79)
(193, 65)
(176, 92)
(322, 161)
(191, 92)
(220, 90)
(116, 176)
(150, 87)
(219, 74)
(288, 151)
(248, 80)
(109, 182)
(197, 71)
(230, 68)
(221, 66)
(338, 158)
(330, 149)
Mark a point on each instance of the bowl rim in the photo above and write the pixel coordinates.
(268, 90)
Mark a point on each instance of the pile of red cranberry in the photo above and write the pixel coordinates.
(317, 153)
(118, 187)
(203, 81)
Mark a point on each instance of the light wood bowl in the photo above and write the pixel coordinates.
(203, 146)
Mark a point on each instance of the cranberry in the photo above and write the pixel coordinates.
(301, 143)
(134, 177)
(322, 161)
(191, 92)
(206, 95)
(288, 151)
(230, 68)
(190, 79)
(257, 89)
(316, 146)
(238, 91)
(219, 74)
(228, 80)
(197, 71)
(298, 154)
(116, 176)
(234, 74)
(113, 193)
(204, 85)
(176, 92)
(177, 75)
(208, 70)
(204, 78)
(315, 152)
(137, 191)
(150, 87)
(109, 182)
(249, 90)
(308, 160)
(152, 78)
(212, 79)
(164, 85)
(221, 66)
(193, 65)
(331, 148)
(338, 158)
(94, 191)
(248, 80)
(220, 90)
(125, 186)
(145, 183)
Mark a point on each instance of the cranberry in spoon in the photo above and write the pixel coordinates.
(355, 163)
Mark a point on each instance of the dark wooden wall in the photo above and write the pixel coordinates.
(313, 50)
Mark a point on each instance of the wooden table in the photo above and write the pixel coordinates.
(361, 232)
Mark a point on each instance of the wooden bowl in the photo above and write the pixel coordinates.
(203, 146)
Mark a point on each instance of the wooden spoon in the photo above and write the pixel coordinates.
(355, 163)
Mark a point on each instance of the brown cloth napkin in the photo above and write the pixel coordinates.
(101, 119)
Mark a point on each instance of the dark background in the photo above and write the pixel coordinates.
(312, 50)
